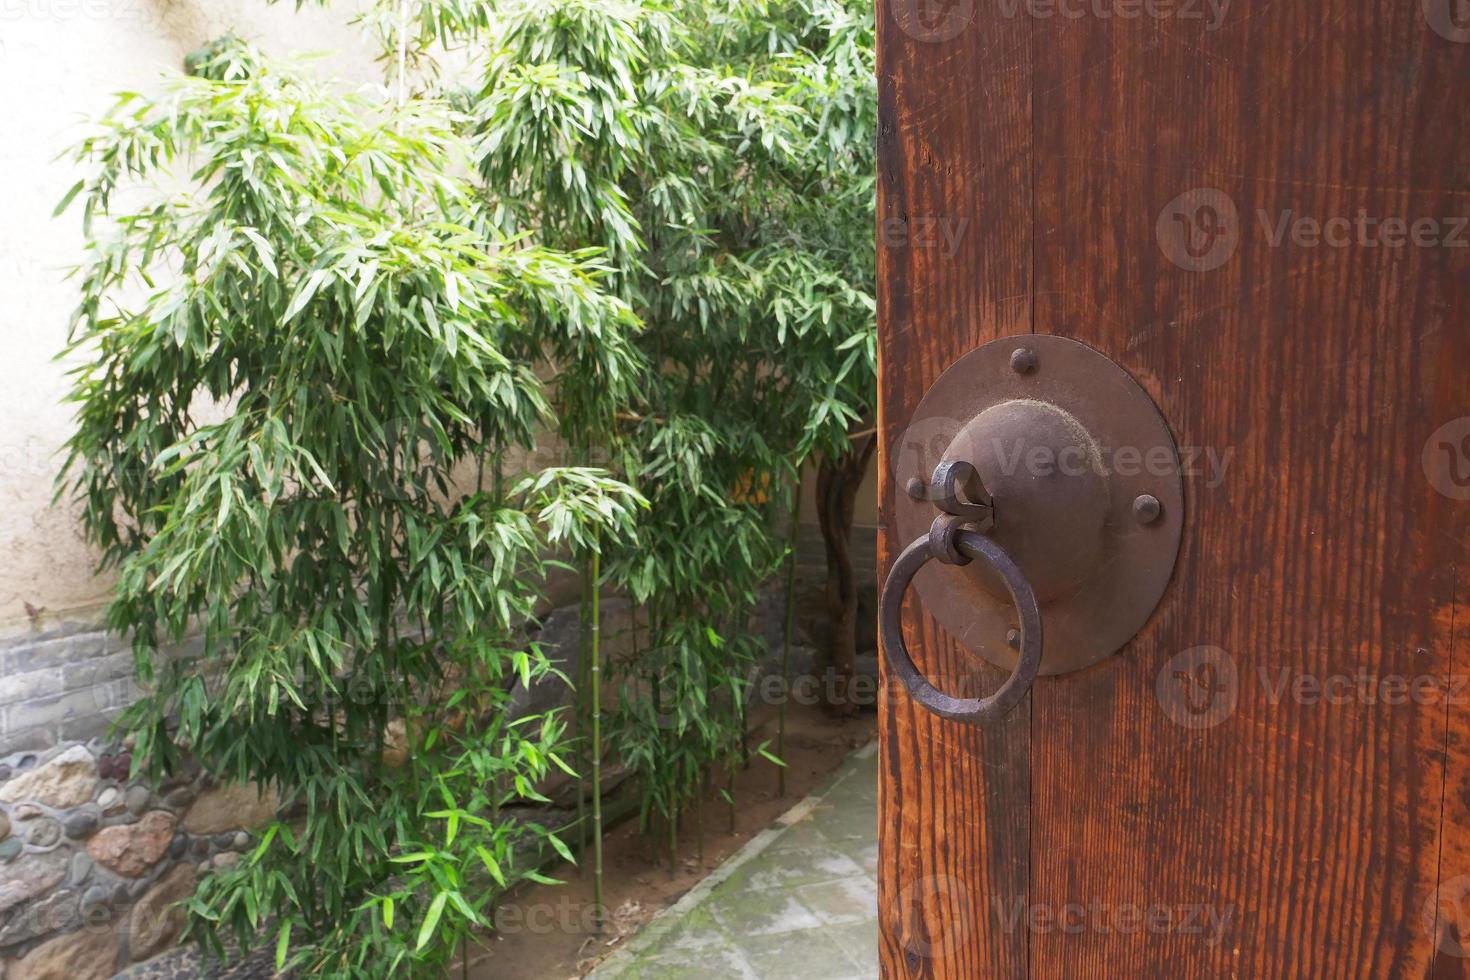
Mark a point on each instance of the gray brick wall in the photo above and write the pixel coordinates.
(65, 683)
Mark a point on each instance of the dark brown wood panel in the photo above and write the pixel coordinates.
(954, 272)
(1323, 552)
(1288, 836)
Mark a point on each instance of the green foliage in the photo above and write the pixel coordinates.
(647, 229)
(720, 152)
(289, 373)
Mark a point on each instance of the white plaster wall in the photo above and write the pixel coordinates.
(60, 62)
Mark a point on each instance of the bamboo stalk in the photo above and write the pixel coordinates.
(794, 535)
(699, 826)
(579, 715)
(596, 695)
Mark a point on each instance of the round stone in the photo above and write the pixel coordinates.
(179, 799)
(10, 848)
(95, 896)
(178, 846)
(83, 822)
(137, 799)
(4, 773)
(4, 826)
(45, 832)
(109, 798)
(81, 870)
(242, 841)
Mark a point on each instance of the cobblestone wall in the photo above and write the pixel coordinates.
(91, 865)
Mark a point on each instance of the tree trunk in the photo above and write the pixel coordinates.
(838, 480)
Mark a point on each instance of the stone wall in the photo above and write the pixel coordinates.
(91, 865)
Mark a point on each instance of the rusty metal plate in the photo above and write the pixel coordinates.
(1086, 488)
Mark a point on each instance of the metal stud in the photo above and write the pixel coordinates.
(1146, 508)
(1025, 361)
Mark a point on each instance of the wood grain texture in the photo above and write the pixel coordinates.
(954, 831)
(1333, 831)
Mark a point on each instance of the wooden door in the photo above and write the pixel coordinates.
(1259, 209)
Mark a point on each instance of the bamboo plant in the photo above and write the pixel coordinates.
(286, 370)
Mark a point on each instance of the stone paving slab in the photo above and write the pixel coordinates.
(799, 900)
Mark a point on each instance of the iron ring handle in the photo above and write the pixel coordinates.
(970, 711)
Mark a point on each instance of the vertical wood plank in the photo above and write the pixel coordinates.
(954, 272)
(1310, 816)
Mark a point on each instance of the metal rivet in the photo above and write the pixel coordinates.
(1013, 638)
(1146, 508)
(1025, 361)
(915, 488)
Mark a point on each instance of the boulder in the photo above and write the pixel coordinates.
(561, 641)
(68, 780)
(157, 920)
(55, 912)
(131, 849)
(87, 954)
(29, 876)
(230, 806)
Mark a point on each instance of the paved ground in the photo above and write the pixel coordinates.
(799, 901)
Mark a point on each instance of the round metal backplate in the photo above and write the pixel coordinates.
(1102, 562)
